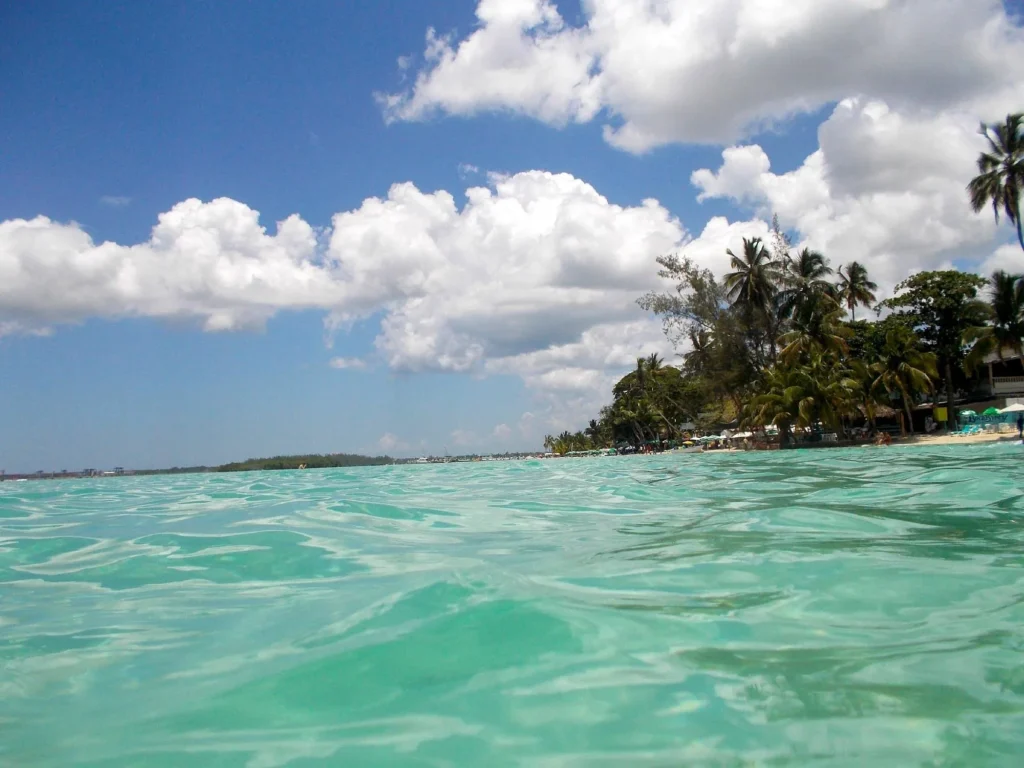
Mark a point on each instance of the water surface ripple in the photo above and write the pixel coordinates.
(844, 607)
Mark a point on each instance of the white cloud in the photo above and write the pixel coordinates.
(711, 71)
(535, 276)
(467, 169)
(883, 188)
(115, 201)
(1007, 258)
(348, 364)
(212, 261)
(502, 432)
(390, 442)
(532, 263)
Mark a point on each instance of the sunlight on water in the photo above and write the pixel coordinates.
(856, 607)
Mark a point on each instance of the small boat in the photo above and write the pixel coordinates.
(690, 449)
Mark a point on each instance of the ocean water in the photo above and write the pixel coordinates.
(827, 608)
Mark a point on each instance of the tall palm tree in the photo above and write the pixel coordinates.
(1005, 331)
(699, 359)
(804, 280)
(752, 289)
(755, 277)
(904, 369)
(1000, 179)
(855, 288)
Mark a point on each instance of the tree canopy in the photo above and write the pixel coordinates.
(1000, 179)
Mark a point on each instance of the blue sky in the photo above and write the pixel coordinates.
(115, 112)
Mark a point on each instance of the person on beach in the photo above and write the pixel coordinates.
(1020, 425)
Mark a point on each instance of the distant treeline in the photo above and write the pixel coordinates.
(173, 471)
(312, 461)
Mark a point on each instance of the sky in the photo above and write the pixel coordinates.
(410, 226)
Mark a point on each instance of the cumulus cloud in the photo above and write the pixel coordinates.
(529, 264)
(502, 432)
(534, 276)
(532, 263)
(883, 188)
(211, 261)
(711, 71)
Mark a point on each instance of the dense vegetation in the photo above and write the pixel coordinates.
(174, 471)
(311, 461)
(777, 342)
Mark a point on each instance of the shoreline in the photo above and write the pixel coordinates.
(994, 437)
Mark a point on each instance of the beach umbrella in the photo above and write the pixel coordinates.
(968, 412)
(990, 412)
(1015, 408)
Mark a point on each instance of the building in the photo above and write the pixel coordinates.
(1002, 376)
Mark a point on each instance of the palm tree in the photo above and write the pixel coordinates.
(1000, 179)
(804, 280)
(779, 404)
(752, 283)
(1005, 333)
(815, 330)
(699, 358)
(752, 288)
(804, 395)
(855, 288)
(904, 369)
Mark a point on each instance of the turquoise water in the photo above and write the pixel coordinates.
(851, 607)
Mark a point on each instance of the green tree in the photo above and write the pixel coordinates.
(1005, 329)
(855, 288)
(816, 329)
(804, 281)
(865, 340)
(941, 307)
(800, 395)
(904, 369)
(1000, 179)
(724, 353)
(753, 288)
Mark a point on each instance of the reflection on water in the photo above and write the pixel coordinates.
(828, 607)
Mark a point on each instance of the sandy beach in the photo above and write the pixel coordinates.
(984, 437)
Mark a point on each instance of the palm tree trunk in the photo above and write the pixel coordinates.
(910, 416)
(950, 415)
(1020, 232)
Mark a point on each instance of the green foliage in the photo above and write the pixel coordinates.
(1005, 330)
(854, 287)
(865, 340)
(311, 461)
(903, 368)
(818, 389)
(770, 344)
(1000, 179)
(803, 284)
(941, 307)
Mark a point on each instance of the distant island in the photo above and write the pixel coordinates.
(309, 461)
